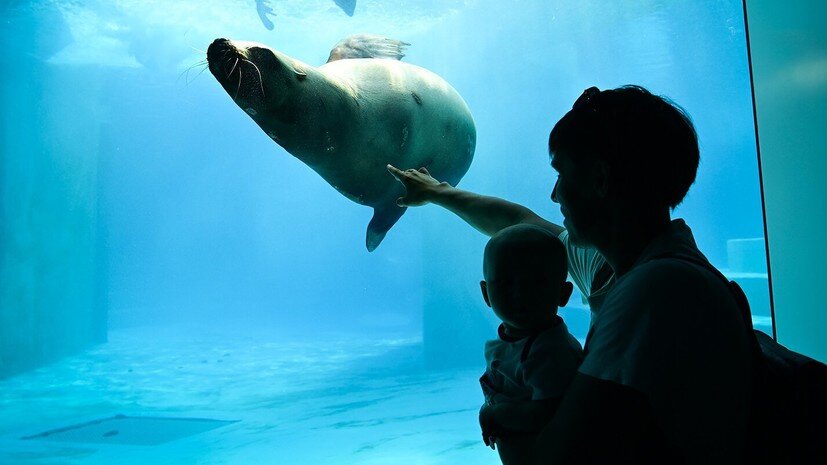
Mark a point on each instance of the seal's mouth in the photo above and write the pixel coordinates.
(235, 71)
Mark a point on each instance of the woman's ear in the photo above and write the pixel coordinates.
(565, 293)
(484, 289)
(601, 174)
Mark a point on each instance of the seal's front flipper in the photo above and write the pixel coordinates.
(368, 46)
(384, 217)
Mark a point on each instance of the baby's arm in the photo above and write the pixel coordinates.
(522, 417)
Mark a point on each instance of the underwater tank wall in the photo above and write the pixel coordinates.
(50, 298)
(233, 283)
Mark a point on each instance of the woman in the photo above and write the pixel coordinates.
(666, 372)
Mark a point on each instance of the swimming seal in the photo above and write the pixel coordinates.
(351, 117)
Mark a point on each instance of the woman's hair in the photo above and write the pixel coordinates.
(648, 142)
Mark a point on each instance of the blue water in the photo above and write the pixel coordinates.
(142, 206)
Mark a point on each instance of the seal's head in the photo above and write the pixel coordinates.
(256, 77)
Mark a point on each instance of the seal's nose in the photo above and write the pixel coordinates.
(217, 48)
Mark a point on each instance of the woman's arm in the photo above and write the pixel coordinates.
(529, 416)
(486, 214)
(597, 422)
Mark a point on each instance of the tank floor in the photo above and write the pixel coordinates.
(335, 399)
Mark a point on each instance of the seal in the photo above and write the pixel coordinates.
(351, 117)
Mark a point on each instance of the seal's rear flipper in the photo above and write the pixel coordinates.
(384, 217)
(368, 46)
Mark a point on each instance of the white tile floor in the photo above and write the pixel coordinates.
(338, 399)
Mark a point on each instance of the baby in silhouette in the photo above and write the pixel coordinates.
(531, 363)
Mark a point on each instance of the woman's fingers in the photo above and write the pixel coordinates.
(400, 174)
(396, 172)
(416, 183)
(407, 175)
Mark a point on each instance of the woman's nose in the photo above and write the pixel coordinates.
(554, 192)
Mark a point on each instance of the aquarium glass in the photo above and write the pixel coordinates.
(163, 258)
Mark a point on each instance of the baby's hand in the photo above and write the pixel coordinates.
(488, 424)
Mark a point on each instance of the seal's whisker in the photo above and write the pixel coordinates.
(233, 69)
(187, 71)
(199, 73)
(239, 84)
(260, 80)
(198, 49)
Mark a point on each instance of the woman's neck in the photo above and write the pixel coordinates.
(628, 235)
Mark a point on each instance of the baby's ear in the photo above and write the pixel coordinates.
(565, 293)
(484, 289)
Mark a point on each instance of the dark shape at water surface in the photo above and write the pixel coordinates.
(348, 6)
(263, 9)
(122, 429)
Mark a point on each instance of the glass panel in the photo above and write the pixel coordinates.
(143, 207)
(788, 46)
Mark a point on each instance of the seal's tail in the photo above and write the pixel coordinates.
(384, 217)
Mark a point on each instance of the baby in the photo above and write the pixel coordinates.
(530, 365)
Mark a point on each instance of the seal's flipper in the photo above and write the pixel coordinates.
(368, 46)
(384, 217)
(348, 6)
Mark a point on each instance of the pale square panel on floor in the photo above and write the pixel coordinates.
(122, 429)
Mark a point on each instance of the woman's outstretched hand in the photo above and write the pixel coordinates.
(419, 186)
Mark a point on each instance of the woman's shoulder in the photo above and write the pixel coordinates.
(671, 273)
(666, 283)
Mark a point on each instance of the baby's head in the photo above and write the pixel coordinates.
(525, 277)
